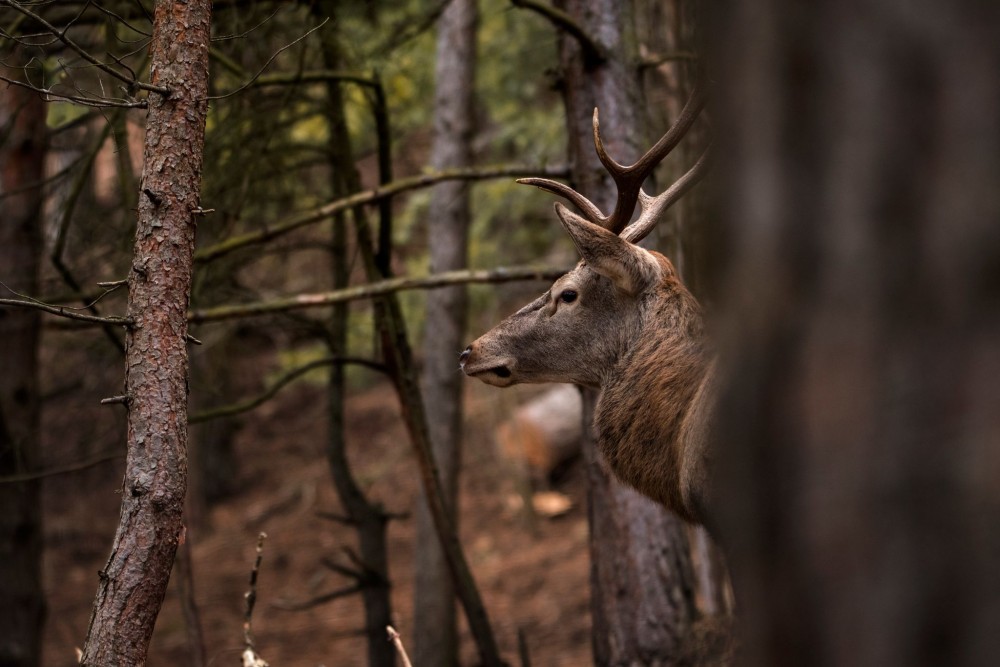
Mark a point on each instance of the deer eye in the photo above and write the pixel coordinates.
(568, 296)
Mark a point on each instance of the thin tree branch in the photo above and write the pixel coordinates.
(83, 53)
(288, 605)
(279, 384)
(96, 102)
(250, 656)
(67, 312)
(223, 38)
(268, 63)
(316, 76)
(61, 470)
(367, 197)
(371, 290)
(398, 643)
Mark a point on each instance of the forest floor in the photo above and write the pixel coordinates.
(533, 573)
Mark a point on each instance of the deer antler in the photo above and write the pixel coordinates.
(629, 179)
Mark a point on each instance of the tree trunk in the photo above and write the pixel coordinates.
(434, 634)
(133, 582)
(368, 517)
(670, 35)
(22, 153)
(641, 578)
(862, 420)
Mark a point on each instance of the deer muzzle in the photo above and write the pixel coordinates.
(490, 369)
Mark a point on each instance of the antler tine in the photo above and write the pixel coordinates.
(654, 207)
(629, 179)
(587, 207)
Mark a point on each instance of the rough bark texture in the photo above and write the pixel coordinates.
(862, 422)
(641, 577)
(133, 582)
(22, 152)
(434, 634)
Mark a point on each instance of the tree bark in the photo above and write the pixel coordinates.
(642, 583)
(862, 420)
(22, 163)
(434, 632)
(133, 582)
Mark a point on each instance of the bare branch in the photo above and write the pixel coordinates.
(279, 384)
(112, 400)
(367, 197)
(251, 595)
(83, 53)
(96, 102)
(67, 312)
(370, 290)
(268, 63)
(288, 605)
(62, 470)
(123, 21)
(223, 38)
(398, 643)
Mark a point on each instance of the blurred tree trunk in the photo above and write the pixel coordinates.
(434, 634)
(641, 578)
(22, 168)
(862, 421)
(133, 582)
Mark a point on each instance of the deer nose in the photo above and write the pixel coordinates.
(462, 358)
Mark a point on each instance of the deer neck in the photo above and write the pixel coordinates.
(648, 417)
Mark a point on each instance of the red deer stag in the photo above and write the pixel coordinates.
(621, 322)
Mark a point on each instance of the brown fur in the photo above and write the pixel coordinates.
(635, 332)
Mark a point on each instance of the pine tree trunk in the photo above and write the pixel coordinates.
(134, 581)
(22, 153)
(434, 633)
(861, 428)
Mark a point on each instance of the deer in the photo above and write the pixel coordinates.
(621, 322)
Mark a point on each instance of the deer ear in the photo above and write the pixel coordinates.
(628, 266)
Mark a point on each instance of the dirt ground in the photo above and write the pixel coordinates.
(532, 573)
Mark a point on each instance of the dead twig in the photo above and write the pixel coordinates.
(250, 657)
(398, 643)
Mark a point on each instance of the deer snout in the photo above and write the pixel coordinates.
(490, 368)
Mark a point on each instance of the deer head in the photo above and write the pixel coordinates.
(620, 321)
